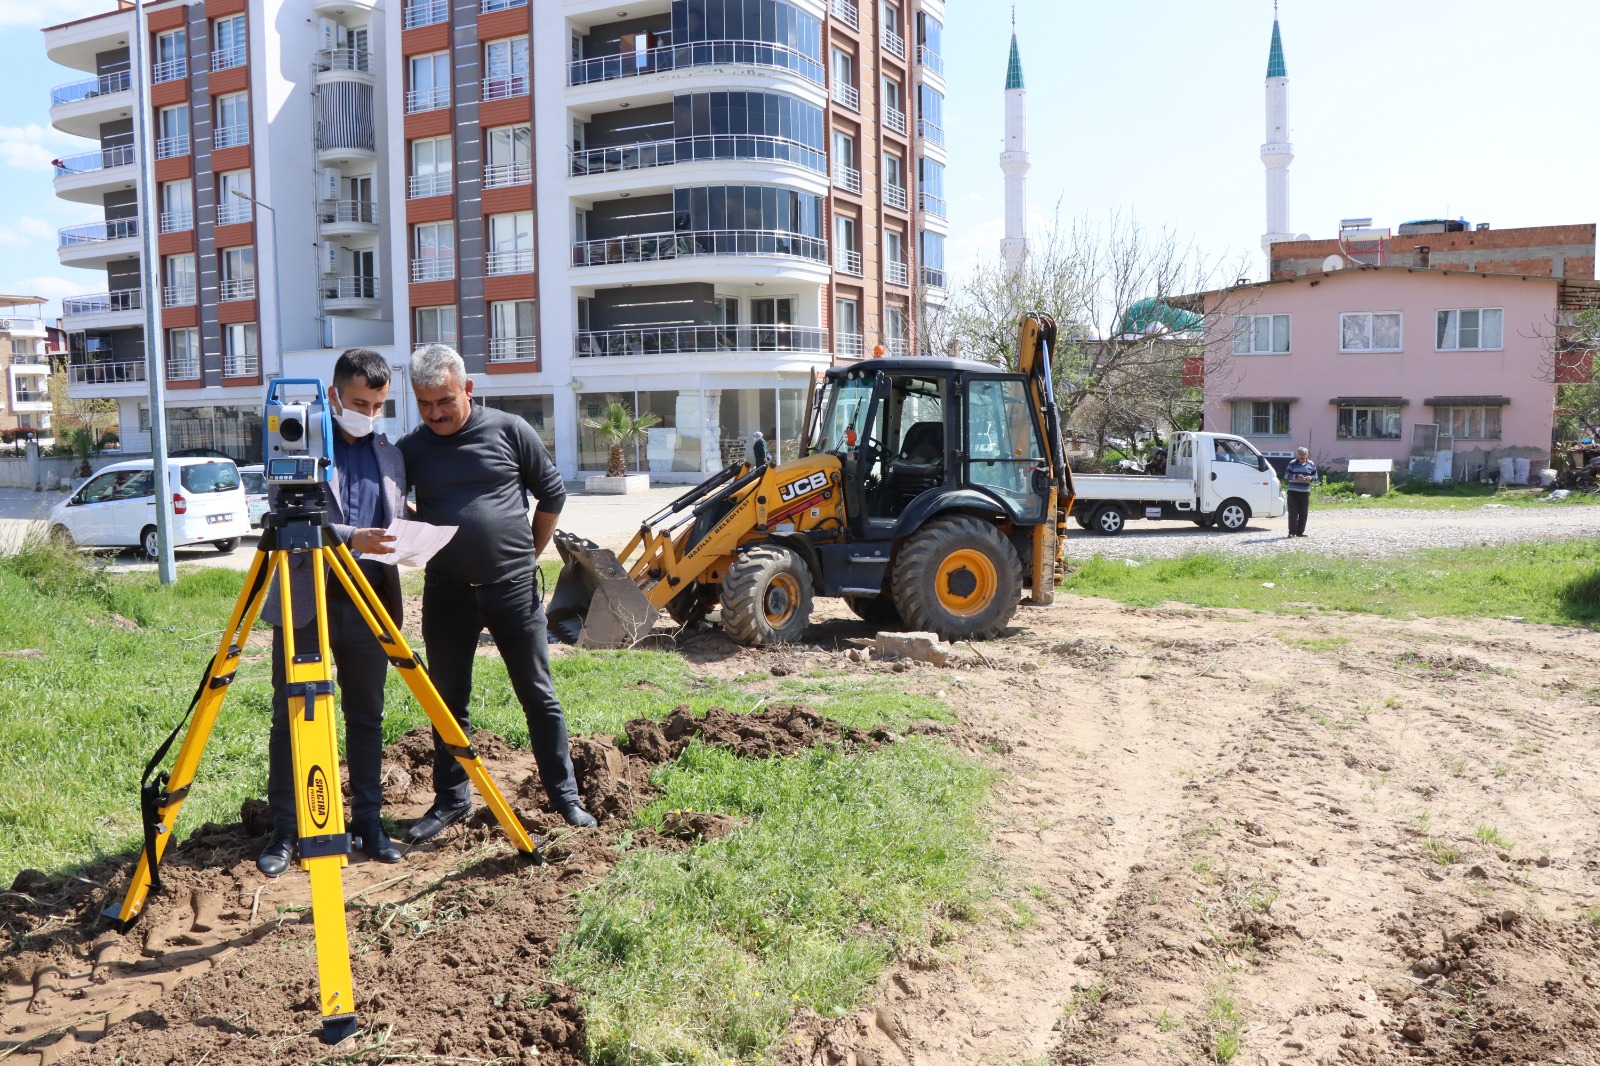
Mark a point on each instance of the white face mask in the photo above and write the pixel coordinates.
(353, 422)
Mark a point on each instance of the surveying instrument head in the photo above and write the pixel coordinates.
(298, 462)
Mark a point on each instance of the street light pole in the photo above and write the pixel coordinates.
(277, 292)
(150, 268)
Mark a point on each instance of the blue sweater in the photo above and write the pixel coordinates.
(1300, 475)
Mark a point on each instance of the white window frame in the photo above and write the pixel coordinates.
(237, 107)
(1246, 328)
(517, 343)
(510, 243)
(426, 183)
(181, 278)
(233, 209)
(1444, 415)
(1369, 316)
(440, 334)
(1247, 416)
(183, 353)
(237, 336)
(1454, 331)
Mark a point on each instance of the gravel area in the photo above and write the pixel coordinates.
(1368, 534)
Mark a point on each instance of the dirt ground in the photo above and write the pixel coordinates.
(1332, 839)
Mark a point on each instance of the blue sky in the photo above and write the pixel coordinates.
(1399, 109)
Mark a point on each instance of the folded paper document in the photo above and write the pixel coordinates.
(416, 542)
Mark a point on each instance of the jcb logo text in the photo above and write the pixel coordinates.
(796, 489)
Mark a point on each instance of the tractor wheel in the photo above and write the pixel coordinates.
(690, 607)
(766, 597)
(877, 611)
(959, 578)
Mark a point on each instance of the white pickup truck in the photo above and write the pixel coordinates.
(1211, 479)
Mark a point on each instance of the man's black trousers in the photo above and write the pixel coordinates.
(454, 613)
(361, 667)
(1299, 504)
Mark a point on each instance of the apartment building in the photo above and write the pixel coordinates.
(24, 340)
(685, 205)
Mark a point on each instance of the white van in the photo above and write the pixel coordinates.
(116, 508)
(1211, 479)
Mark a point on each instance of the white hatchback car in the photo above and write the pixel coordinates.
(116, 508)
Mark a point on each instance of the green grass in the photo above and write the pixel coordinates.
(1556, 582)
(1225, 1025)
(1491, 836)
(1340, 494)
(848, 858)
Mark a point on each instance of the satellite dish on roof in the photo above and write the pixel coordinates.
(1332, 263)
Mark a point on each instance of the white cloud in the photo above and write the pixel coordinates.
(30, 13)
(26, 231)
(32, 147)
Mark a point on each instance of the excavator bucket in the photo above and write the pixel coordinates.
(595, 603)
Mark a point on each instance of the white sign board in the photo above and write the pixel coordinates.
(1371, 466)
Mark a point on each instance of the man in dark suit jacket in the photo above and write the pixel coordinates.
(364, 495)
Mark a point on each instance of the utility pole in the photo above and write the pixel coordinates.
(277, 301)
(155, 363)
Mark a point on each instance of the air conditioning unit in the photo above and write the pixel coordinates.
(330, 259)
(5, 324)
(329, 33)
(330, 184)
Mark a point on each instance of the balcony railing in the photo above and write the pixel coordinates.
(651, 247)
(433, 268)
(427, 13)
(242, 365)
(510, 349)
(231, 136)
(115, 81)
(893, 43)
(934, 278)
(895, 196)
(847, 344)
(87, 162)
(504, 86)
(896, 348)
(334, 211)
(896, 272)
(894, 119)
(847, 94)
(427, 99)
(847, 178)
(350, 288)
(29, 396)
(501, 175)
(177, 295)
(356, 59)
(176, 221)
(711, 146)
(171, 70)
(519, 261)
(933, 61)
(183, 368)
(236, 289)
(233, 210)
(845, 11)
(226, 58)
(167, 147)
(430, 185)
(95, 232)
(489, 6)
(848, 261)
(105, 373)
(930, 132)
(932, 205)
(691, 340)
(693, 54)
(102, 303)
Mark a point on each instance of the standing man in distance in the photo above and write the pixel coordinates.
(758, 449)
(364, 495)
(1299, 476)
(472, 468)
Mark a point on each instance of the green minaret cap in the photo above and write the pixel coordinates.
(1275, 67)
(1014, 66)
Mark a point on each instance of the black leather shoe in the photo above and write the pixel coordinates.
(276, 856)
(576, 815)
(437, 821)
(376, 844)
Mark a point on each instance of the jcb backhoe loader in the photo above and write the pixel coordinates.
(927, 493)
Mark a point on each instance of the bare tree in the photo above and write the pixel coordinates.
(77, 422)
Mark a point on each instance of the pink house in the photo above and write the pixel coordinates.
(1346, 362)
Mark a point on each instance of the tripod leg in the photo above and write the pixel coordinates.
(319, 808)
(184, 767)
(343, 565)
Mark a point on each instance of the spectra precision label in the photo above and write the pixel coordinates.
(319, 802)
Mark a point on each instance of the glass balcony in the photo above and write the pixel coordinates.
(511, 349)
(102, 303)
(93, 232)
(690, 340)
(933, 205)
(701, 149)
(693, 54)
(931, 133)
(428, 13)
(933, 61)
(111, 82)
(433, 268)
(119, 156)
(105, 373)
(652, 247)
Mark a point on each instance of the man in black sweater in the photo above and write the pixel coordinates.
(471, 467)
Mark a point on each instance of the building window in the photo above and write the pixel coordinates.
(933, 275)
(844, 79)
(931, 187)
(1260, 334)
(240, 356)
(177, 206)
(1369, 331)
(23, 346)
(435, 325)
(932, 41)
(173, 135)
(512, 334)
(171, 59)
(238, 273)
(233, 197)
(511, 243)
(505, 65)
(433, 254)
(1261, 418)
(233, 121)
(183, 354)
(180, 281)
(1473, 329)
(894, 331)
(430, 83)
(845, 254)
(510, 156)
(1474, 422)
(894, 181)
(847, 328)
(430, 167)
(895, 269)
(1369, 423)
(228, 38)
(846, 175)
(930, 124)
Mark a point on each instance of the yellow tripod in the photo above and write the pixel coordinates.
(300, 525)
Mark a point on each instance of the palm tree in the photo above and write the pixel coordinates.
(620, 427)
